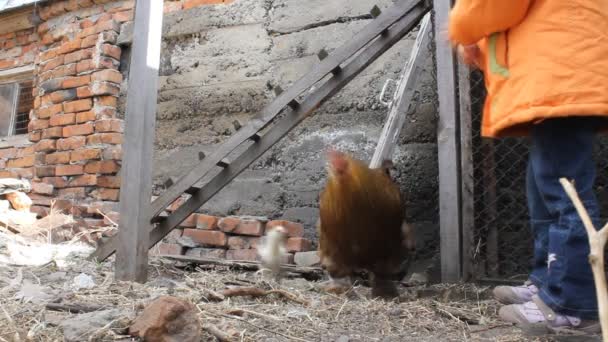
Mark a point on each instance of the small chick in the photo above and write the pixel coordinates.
(272, 250)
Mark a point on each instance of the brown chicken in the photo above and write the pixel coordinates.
(362, 224)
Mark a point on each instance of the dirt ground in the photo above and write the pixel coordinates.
(423, 313)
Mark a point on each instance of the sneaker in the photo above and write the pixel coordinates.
(537, 312)
(515, 294)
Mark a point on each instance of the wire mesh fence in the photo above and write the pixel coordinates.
(502, 240)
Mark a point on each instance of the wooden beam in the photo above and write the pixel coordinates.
(448, 150)
(403, 96)
(136, 181)
(466, 165)
(288, 121)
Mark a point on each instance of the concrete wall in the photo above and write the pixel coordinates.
(219, 63)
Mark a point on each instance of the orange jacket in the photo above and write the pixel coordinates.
(541, 59)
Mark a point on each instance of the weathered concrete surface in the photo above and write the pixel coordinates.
(220, 63)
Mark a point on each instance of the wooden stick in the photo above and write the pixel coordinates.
(73, 308)
(257, 292)
(220, 335)
(597, 242)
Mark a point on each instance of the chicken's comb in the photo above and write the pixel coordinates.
(337, 160)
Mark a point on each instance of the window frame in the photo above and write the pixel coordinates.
(15, 76)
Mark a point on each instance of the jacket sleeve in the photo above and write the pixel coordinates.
(471, 20)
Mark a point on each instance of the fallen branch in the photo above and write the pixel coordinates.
(597, 243)
(73, 308)
(215, 331)
(257, 292)
(242, 312)
(259, 326)
(314, 273)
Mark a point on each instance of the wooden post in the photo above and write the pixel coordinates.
(136, 173)
(402, 100)
(467, 170)
(448, 149)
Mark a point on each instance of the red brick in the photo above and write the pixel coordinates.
(101, 206)
(69, 170)
(48, 54)
(84, 66)
(84, 92)
(10, 152)
(45, 100)
(206, 222)
(58, 158)
(106, 101)
(53, 132)
(176, 204)
(37, 102)
(82, 129)
(35, 136)
(65, 70)
(102, 167)
(75, 193)
(207, 237)
(110, 125)
(21, 162)
(78, 56)
(242, 254)
(71, 5)
(114, 7)
(63, 119)
(104, 138)
(7, 174)
(293, 229)
(84, 180)
(56, 182)
(78, 106)
(89, 41)
(7, 63)
(69, 46)
(40, 211)
(26, 151)
(189, 222)
(167, 249)
(52, 63)
(47, 39)
(112, 182)
(239, 226)
(104, 62)
(63, 205)
(35, 125)
(104, 88)
(124, 16)
(71, 143)
(172, 6)
(112, 153)
(86, 116)
(111, 51)
(74, 82)
(57, 8)
(22, 40)
(45, 171)
(46, 145)
(242, 242)
(107, 75)
(63, 95)
(105, 194)
(298, 244)
(2, 164)
(195, 3)
(85, 154)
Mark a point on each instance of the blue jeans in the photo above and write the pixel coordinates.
(561, 270)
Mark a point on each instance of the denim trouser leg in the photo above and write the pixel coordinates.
(540, 220)
(563, 148)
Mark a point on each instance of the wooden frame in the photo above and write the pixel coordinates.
(449, 150)
(136, 172)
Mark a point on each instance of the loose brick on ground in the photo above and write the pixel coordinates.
(167, 249)
(189, 222)
(207, 237)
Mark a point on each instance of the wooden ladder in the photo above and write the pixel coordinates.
(331, 74)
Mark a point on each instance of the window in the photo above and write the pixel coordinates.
(16, 101)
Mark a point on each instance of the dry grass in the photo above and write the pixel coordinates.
(438, 313)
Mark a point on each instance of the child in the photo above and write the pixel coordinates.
(545, 65)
